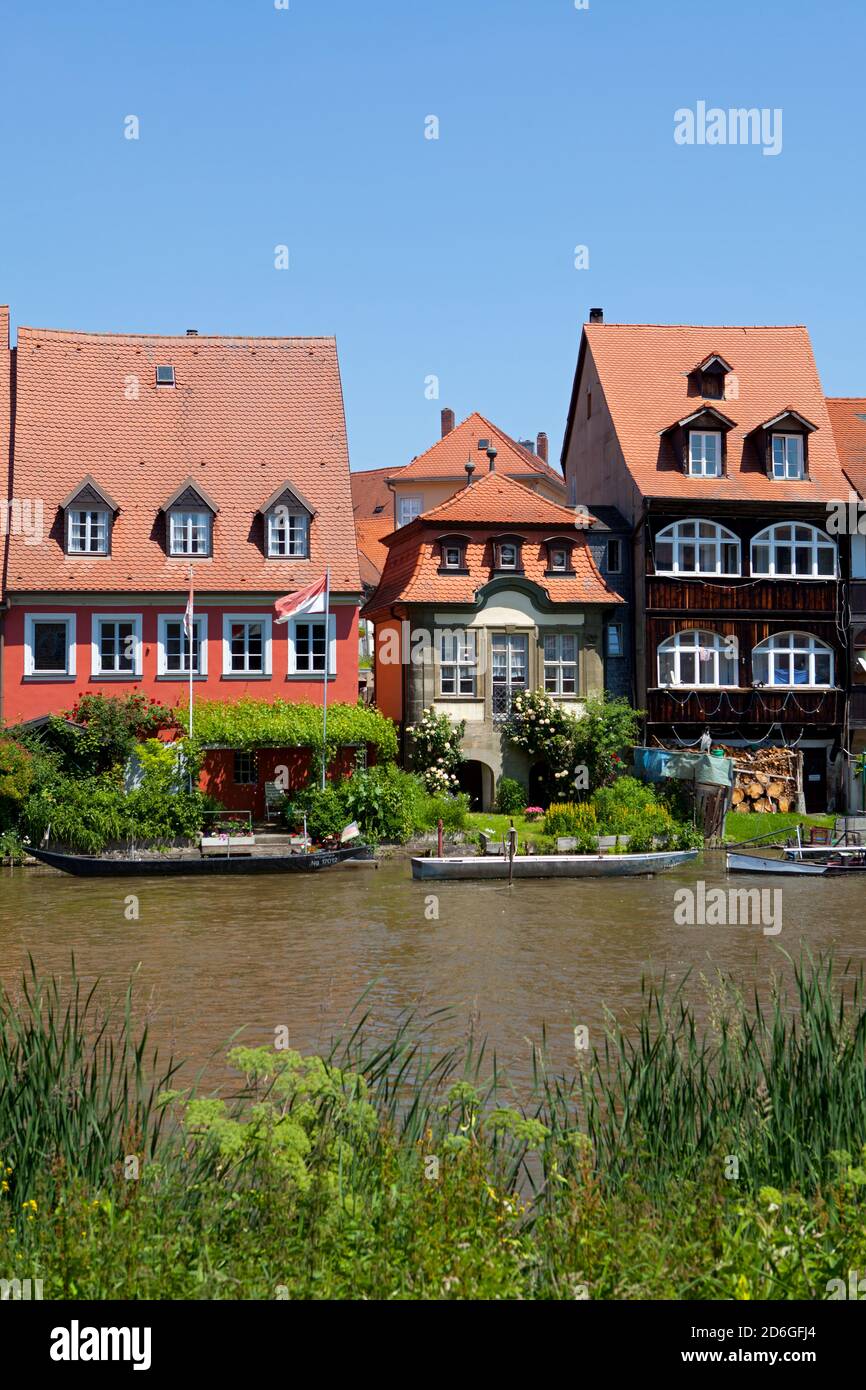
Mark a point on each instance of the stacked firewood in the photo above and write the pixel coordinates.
(766, 780)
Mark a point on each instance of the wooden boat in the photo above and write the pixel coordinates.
(760, 864)
(551, 865)
(191, 862)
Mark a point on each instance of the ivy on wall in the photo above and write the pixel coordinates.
(249, 724)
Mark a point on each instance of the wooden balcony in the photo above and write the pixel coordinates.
(741, 597)
(746, 706)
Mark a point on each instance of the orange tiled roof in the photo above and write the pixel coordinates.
(447, 457)
(370, 531)
(246, 415)
(644, 370)
(482, 511)
(370, 491)
(848, 417)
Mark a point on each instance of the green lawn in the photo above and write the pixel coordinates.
(529, 831)
(743, 825)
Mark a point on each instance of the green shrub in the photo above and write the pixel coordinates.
(251, 724)
(86, 814)
(388, 804)
(510, 797)
(16, 779)
(436, 751)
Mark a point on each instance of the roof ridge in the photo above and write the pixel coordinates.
(726, 327)
(178, 337)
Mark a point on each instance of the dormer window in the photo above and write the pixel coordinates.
(699, 442)
(788, 456)
(452, 554)
(189, 516)
(165, 376)
(507, 554)
(559, 555)
(712, 374)
(89, 513)
(287, 516)
(705, 454)
(783, 443)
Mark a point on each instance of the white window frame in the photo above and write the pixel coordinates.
(200, 622)
(30, 620)
(96, 622)
(817, 540)
(680, 541)
(797, 644)
(191, 519)
(317, 618)
(563, 550)
(687, 641)
(461, 659)
(280, 524)
(507, 545)
(782, 471)
(456, 550)
(413, 504)
(90, 513)
(698, 467)
(558, 663)
(267, 645)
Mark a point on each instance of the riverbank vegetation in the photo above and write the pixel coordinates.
(678, 1160)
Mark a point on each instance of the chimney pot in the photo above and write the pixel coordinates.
(447, 421)
(596, 315)
(470, 469)
(541, 446)
(491, 454)
(192, 332)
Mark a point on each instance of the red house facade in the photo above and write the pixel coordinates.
(140, 463)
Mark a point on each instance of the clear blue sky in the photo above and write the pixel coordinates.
(454, 257)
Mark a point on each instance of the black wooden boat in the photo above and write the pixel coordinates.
(191, 862)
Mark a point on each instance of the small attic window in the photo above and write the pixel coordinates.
(165, 376)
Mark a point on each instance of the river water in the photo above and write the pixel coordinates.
(214, 956)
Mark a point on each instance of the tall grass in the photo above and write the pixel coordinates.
(77, 1088)
(780, 1088)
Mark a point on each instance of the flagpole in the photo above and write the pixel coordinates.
(327, 664)
(189, 644)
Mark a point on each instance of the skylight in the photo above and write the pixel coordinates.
(165, 376)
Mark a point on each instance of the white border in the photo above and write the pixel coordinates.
(266, 620)
(161, 669)
(40, 617)
(95, 668)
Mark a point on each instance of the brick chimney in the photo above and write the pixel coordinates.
(447, 421)
(541, 447)
(596, 316)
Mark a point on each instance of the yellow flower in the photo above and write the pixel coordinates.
(742, 1290)
(4, 1186)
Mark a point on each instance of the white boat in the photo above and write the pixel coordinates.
(552, 865)
(760, 864)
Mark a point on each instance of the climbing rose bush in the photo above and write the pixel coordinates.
(436, 752)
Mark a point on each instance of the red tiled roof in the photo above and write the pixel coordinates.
(494, 498)
(483, 511)
(447, 457)
(370, 531)
(370, 490)
(246, 415)
(848, 417)
(644, 372)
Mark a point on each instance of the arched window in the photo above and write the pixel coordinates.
(793, 658)
(697, 659)
(697, 547)
(794, 549)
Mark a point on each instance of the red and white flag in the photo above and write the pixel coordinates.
(188, 612)
(310, 600)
